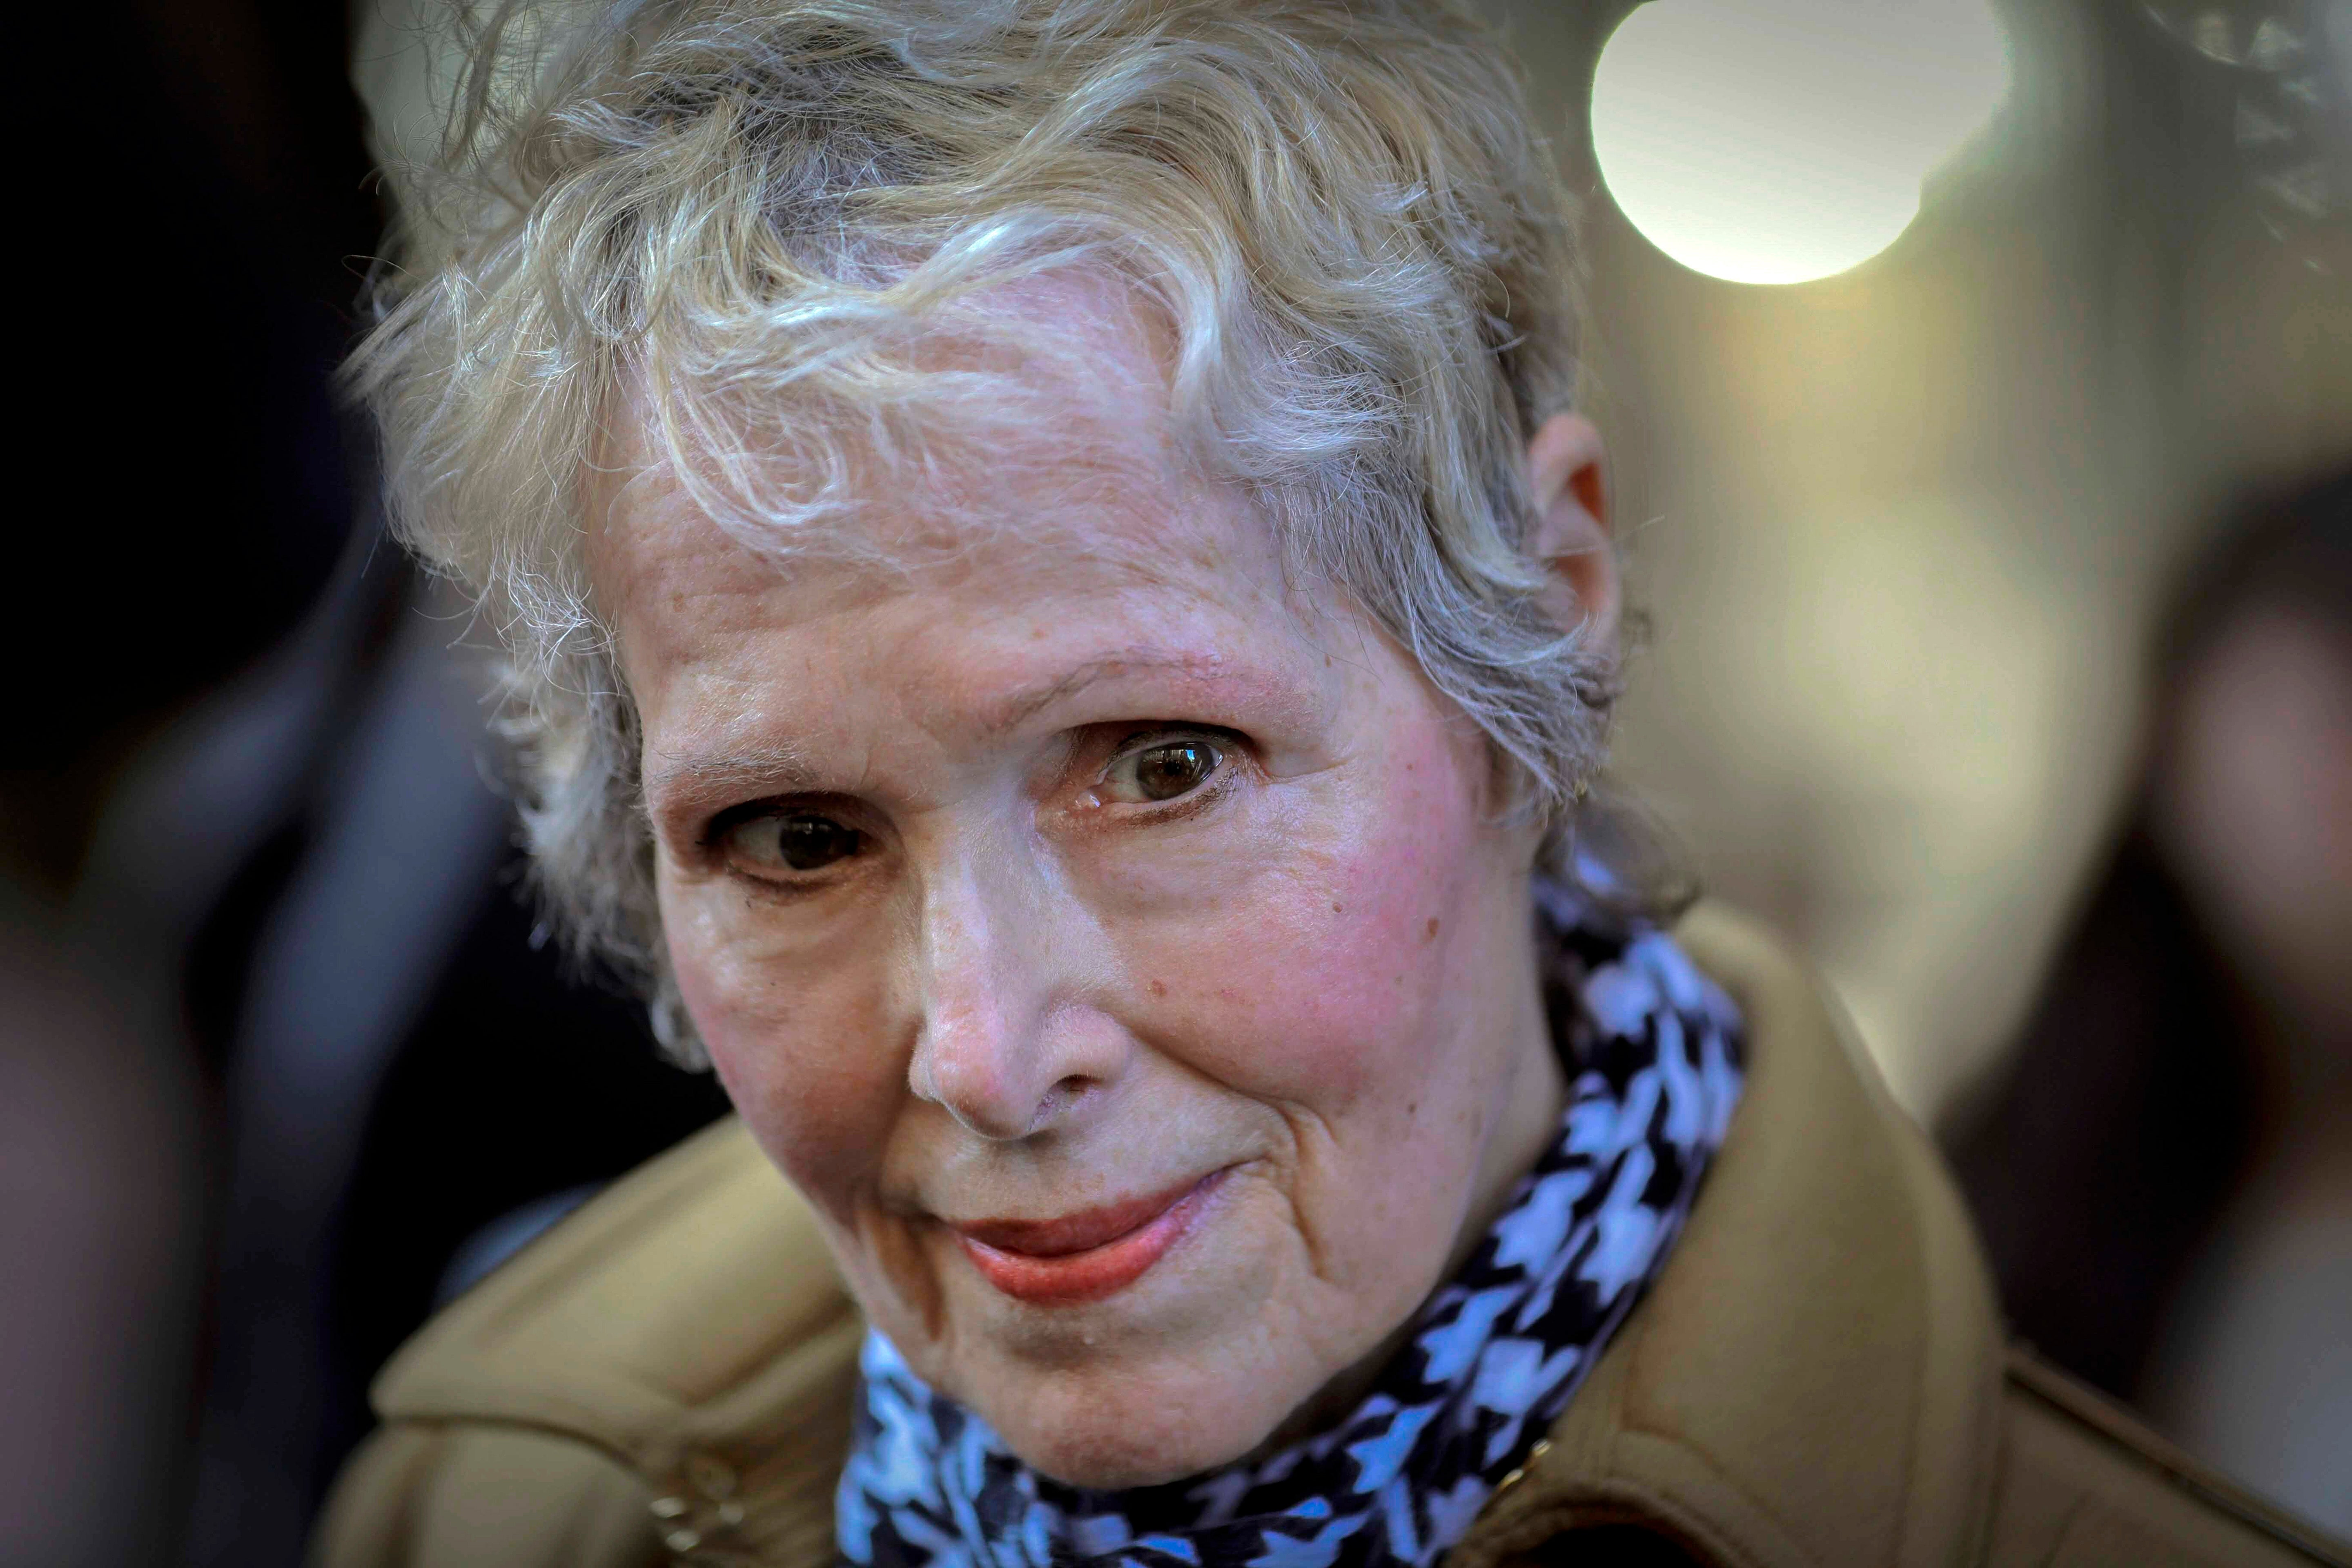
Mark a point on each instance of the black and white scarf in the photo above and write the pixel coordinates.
(1654, 1051)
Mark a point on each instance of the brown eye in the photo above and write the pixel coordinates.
(1165, 770)
(802, 841)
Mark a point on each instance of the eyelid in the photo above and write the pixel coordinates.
(1142, 740)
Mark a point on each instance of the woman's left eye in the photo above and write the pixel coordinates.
(1164, 770)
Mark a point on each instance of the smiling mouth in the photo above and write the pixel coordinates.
(1086, 1256)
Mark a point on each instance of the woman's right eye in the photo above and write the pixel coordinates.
(784, 843)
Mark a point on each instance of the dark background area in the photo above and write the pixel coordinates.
(227, 686)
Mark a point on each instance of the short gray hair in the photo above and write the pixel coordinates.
(1338, 211)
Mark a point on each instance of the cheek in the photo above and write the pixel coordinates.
(1326, 976)
(800, 1044)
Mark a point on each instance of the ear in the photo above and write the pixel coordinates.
(1572, 538)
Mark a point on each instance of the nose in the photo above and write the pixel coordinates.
(1006, 1044)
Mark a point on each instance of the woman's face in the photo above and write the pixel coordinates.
(1112, 942)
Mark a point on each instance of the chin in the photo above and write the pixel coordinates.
(1110, 1429)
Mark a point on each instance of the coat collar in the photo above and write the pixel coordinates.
(1815, 1375)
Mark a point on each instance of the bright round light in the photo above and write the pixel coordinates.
(1778, 140)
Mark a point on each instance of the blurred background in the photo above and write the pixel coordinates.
(1979, 384)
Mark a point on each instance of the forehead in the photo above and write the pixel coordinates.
(1035, 414)
(1074, 537)
(1135, 546)
(1018, 402)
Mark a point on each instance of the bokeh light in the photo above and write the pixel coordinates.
(1779, 140)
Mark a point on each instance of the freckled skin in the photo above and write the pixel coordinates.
(1017, 1001)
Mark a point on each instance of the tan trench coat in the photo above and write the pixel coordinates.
(1818, 1376)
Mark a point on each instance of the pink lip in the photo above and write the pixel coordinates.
(1086, 1256)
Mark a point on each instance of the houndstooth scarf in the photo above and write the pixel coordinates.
(1653, 1052)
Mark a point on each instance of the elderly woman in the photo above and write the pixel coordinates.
(1061, 618)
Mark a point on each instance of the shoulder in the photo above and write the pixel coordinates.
(669, 1369)
(1820, 1374)
(2083, 1482)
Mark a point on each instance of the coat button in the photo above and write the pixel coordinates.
(709, 1476)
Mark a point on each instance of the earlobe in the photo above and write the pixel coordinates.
(1567, 481)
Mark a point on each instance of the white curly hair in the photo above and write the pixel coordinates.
(741, 221)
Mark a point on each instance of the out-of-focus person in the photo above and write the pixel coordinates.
(190, 503)
(2164, 1174)
(99, 1211)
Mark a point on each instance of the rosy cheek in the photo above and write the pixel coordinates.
(1320, 985)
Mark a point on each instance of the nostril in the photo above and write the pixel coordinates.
(1058, 1099)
